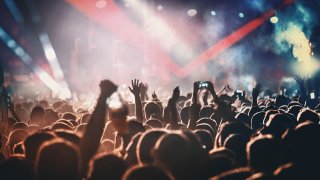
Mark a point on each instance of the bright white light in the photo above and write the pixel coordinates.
(51, 56)
(192, 12)
(101, 4)
(127, 4)
(274, 19)
(159, 7)
(241, 15)
(213, 13)
(157, 28)
(301, 49)
(27, 59)
(64, 93)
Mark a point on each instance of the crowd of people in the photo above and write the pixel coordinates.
(205, 135)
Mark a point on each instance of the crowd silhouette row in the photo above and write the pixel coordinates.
(202, 135)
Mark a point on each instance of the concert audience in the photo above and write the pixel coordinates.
(203, 136)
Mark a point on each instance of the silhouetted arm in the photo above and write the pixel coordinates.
(13, 113)
(255, 93)
(172, 105)
(223, 110)
(135, 90)
(194, 108)
(94, 130)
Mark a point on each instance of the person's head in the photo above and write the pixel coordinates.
(268, 114)
(282, 119)
(308, 115)
(184, 115)
(106, 146)
(107, 166)
(135, 127)
(131, 151)
(206, 112)
(281, 100)
(229, 128)
(153, 109)
(16, 137)
(44, 103)
(58, 159)
(37, 115)
(145, 145)
(146, 172)
(220, 160)
(295, 109)
(263, 153)
(20, 125)
(33, 143)
(205, 139)
(244, 118)
(208, 121)
(51, 117)
(237, 143)
(69, 116)
(154, 123)
(257, 120)
(301, 147)
(174, 153)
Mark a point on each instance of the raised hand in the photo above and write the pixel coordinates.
(256, 90)
(212, 91)
(136, 90)
(136, 87)
(255, 93)
(107, 87)
(154, 96)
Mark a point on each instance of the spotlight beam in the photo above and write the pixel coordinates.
(27, 60)
(115, 20)
(14, 11)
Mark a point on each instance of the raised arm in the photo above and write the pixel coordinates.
(194, 108)
(92, 135)
(224, 110)
(255, 94)
(172, 105)
(135, 90)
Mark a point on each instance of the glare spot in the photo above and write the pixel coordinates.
(159, 7)
(192, 12)
(101, 4)
(241, 15)
(213, 13)
(274, 19)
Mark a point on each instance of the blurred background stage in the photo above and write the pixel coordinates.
(68, 46)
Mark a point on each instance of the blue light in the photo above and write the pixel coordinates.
(241, 15)
(213, 13)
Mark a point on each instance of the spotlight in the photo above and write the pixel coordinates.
(274, 19)
(192, 12)
(101, 4)
(241, 15)
(159, 7)
(213, 13)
